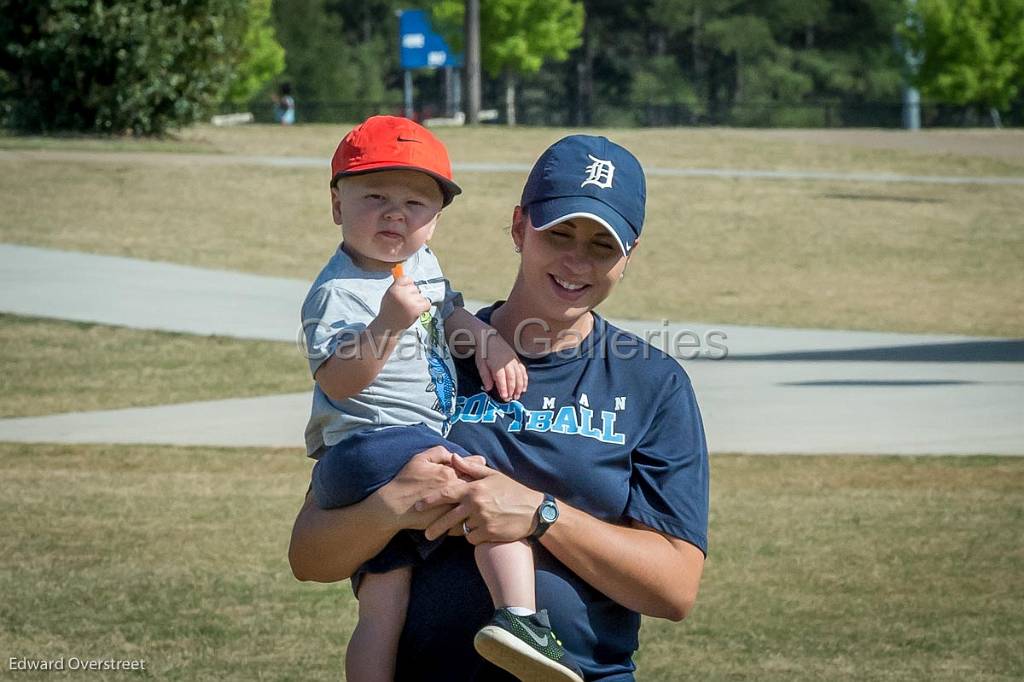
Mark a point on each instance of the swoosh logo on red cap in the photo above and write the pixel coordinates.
(406, 139)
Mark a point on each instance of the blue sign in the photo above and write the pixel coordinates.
(420, 46)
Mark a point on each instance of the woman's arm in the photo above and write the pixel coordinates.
(640, 568)
(328, 545)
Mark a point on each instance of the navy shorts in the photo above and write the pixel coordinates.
(361, 464)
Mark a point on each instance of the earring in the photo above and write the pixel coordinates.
(518, 249)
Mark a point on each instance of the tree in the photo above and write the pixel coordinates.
(516, 36)
(758, 61)
(117, 66)
(262, 56)
(342, 56)
(972, 51)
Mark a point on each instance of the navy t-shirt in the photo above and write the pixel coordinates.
(611, 427)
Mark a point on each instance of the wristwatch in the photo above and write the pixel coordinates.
(547, 514)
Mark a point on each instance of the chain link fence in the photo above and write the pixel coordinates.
(312, 111)
(854, 114)
(539, 112)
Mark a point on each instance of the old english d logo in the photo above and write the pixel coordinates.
(599, 173)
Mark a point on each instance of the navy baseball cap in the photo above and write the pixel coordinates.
(584, 176)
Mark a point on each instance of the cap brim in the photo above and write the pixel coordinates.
(546, 214)
(448, 188)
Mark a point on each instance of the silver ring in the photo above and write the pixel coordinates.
(465, 528)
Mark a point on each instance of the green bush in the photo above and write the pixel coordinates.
(117, 66)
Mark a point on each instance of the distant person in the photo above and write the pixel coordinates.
(601, 463)
(284, 105)
(377, 322)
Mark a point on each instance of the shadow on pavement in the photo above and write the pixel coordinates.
(885, 383)
(883, 197)
(1011, 350)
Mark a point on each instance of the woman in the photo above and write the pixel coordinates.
(602, 461)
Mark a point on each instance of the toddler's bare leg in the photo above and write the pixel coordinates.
(507, 568)
(518, 639)
(373, 648)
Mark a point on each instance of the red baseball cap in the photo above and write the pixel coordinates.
(393, 143)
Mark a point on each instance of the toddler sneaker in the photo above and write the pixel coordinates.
(526, 647)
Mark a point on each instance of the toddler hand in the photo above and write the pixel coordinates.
(402, 305)
(500, 367)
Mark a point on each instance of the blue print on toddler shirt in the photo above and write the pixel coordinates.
(442, 379)
(443, 385)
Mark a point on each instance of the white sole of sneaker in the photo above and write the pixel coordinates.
(504, 650)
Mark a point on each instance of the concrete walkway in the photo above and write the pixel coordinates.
(826, 409)
(777, 391)
(141, 294)
(189, 159)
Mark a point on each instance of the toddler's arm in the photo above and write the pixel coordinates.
(496, 361)
(354, 366)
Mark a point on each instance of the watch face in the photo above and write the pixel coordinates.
(549, 514)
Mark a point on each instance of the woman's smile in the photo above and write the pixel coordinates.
(571, 267)
(568, 289)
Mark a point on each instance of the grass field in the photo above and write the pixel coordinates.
(49, 366)
(854, 568)
(905, 257)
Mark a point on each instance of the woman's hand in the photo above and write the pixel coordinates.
(330, 544)
(493, 506)
(424, 474)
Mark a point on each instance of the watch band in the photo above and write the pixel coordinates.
(547, 514)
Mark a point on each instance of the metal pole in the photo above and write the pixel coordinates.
(911, 108)
(449, 98)
(911, 62)
(472, 69)
(457, 92)
(408, 93)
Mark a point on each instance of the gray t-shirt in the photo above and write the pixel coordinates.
(416, 384)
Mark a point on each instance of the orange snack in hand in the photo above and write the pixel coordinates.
(397, 271)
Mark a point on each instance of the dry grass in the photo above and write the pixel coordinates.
(170, 143)
(999, 144)
(49, 366)
(175, 556)
(945, 259)
(856, 568)
(274, 222)
(907, 257)
(930, 152)
(660, 147)
(820, 568)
